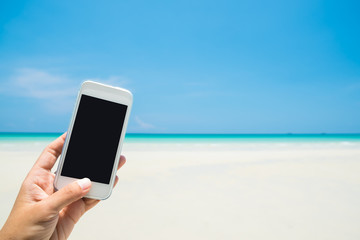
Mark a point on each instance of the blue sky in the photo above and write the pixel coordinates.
(193, 66)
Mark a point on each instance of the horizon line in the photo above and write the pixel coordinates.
(175, 133)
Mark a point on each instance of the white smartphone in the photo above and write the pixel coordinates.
(94, 138)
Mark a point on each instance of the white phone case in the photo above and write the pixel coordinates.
(118, 95)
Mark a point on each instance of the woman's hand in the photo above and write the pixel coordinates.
(41, 213)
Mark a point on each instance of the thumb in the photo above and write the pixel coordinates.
(68, 194)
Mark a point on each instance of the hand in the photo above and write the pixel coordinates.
(41, 213)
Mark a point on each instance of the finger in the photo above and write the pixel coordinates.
(122, 161)
(116, 181)
(49, 156)
(90, 203)
(68, 194)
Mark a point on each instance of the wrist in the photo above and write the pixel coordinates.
(4, 235)
(7, 234)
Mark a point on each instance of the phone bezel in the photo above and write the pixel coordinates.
(98, 190)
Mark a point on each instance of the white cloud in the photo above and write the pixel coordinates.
(143, 125)
(118, 81)
(39, 84)
(57, 92)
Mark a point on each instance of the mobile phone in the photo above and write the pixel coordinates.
(94, 138)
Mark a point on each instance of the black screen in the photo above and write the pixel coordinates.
(94, 139)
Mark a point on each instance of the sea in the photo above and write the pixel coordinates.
(194, 138)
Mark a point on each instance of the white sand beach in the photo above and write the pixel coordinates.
(216, 191)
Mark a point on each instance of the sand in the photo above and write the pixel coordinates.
(216, 191)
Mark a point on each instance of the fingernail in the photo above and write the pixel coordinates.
(84, 183)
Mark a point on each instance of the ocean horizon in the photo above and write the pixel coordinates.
(199, 137)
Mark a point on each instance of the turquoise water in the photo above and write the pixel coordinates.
(137, 137)
(24, 137)
(243, 137)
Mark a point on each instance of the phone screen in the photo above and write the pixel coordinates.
(94, 139)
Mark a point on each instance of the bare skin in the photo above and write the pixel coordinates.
(41, 213)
